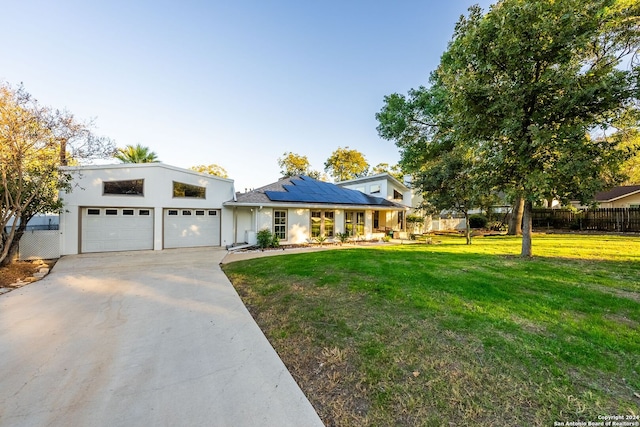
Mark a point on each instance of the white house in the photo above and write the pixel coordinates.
(388, 187)
(300, 208)
(143, 206)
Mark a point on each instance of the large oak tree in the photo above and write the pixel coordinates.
(527, 85)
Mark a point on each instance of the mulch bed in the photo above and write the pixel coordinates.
(20, 270)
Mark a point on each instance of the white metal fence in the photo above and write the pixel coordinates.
(39, 244)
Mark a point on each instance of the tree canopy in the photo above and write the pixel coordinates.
(393, 170)
(444, 171)
(524, 87)
(292, 164)
(34, 142)
(345, 164)
(136, 154)
(211, 169)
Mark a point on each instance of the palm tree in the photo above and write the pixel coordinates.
(136, 154)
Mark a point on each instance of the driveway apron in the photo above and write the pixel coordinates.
(149, 338)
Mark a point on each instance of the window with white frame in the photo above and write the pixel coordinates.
(375, 188)
(322, 223)
(280, 224)
(354, 223)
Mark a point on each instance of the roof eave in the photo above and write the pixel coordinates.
(314, 206)
(632, 193)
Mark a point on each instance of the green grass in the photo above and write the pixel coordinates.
(448, 333)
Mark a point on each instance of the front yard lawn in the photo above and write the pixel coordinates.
(449, 334)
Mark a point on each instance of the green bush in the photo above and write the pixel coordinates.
(478, 221)
(343, 237)
(265, 238)
(275, 241)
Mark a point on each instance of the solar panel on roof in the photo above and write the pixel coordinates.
(309, 190)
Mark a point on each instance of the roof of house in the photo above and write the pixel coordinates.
(306, 190)
(617, 193)
(121, 166)
(371, 178)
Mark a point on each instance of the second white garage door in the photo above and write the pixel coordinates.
(187, 228)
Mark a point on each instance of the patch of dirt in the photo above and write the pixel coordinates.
(20, 270)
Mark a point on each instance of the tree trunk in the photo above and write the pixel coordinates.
(11, 241)
(10, 249)
(526, 230)
(467, 229)
(515, 223)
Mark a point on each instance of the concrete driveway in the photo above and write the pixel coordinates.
(152, 338)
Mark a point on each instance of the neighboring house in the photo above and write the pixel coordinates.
(143, 206)
(300, 208)
(388, 187)
(626, 196)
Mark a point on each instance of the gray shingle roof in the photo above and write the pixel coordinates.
(303, 189)
(616, 193)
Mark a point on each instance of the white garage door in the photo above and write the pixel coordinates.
(188, 228)
(116, 229)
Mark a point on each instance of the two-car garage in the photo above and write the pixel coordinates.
(106, 229)
(144, 206)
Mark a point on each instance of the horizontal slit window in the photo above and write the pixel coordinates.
(133, 187)
(143, 212)
(180, 189)
(199, 213)
(111, 211)
(172, 212)
(213, 213)
(127, 212)
(93, 211)
(186, 212)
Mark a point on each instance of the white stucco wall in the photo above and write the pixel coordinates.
(244, 224)
(87, 191)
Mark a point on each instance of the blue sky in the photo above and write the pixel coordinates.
(236, 83)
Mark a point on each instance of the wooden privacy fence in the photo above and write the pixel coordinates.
(602, 219)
